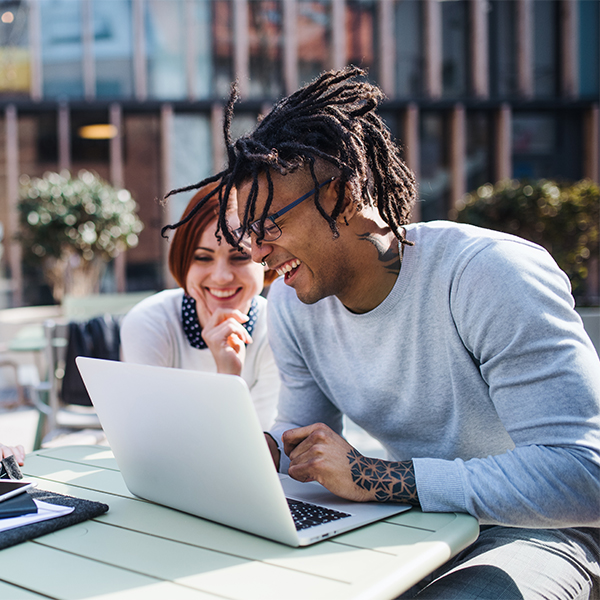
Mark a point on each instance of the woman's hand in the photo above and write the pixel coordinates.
(17, 451)
(225, 337)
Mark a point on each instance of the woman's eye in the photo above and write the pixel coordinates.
(241, 257)
(202, 258)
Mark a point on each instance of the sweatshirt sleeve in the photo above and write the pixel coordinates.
(514, 312)
(301, 401)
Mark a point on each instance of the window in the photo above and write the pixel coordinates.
(87, 152)
(15, 59)
(191, 157)
(165, 47)
(314, 38)
(113, 48)
(435, 179)
(222, 39)
(545, 48)
(62, 48)
(409, 48)
(266, 40)
(361, 35)
(502, 36)
(478, 160)
(547, 145)
(589, 48)
(455, 20)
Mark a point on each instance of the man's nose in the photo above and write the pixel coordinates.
(259, 252)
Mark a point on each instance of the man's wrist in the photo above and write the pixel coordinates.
(386, 481)
(274, 448)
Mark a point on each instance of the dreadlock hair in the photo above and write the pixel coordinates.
(329, 124)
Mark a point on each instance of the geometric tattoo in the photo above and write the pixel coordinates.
(388, 256)
(391, 481)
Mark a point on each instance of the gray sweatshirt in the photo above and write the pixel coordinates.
(476, 366)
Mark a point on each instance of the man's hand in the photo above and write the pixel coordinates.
(17, 451)
(319, 454)
(225, 337)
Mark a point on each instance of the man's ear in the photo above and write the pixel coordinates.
(348, 209)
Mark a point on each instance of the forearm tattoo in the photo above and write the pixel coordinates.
(391, 481)
(389, 257)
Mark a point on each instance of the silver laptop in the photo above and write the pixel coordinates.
(192, 441)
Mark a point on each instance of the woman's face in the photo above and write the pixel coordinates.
(221, 275)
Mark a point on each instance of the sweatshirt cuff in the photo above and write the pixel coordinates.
(439, 485)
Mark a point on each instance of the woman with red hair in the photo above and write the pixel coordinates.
(216, 320)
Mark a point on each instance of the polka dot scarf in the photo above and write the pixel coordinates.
(191, 324)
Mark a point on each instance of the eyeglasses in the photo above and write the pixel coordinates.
(269, 228)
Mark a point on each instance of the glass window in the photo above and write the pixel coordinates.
(478, 160)
(222, 39)
(191, 157)
(314, 38)
(266, 39)
(113, 48)
(434, 184)
(545, 48)
(502, 36)
(409, 48)
(165, 47)
(361, 35)
(62, 48)
(88, 151)
(395, 123)
(589, 48)
(534, 140)
(201, 36)
(547, 145)
(244, 122)
(455, 20)
(142, 173)
(15, 69)
(38, 152)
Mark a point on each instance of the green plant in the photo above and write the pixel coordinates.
(83, 215)
(72, 226)
(564, 218)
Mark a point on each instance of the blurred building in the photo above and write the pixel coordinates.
(479, 90)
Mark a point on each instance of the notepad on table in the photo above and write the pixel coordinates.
(45, 511)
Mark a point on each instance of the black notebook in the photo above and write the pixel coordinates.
(22, 504)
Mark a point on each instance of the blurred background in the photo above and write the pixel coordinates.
(478, 91)
(484, 96)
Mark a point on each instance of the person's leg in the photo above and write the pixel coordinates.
(519, 564)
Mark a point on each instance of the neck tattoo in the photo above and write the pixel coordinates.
(390, 258)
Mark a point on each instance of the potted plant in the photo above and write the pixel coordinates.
(73, 226)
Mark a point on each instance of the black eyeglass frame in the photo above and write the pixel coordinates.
(254, 227)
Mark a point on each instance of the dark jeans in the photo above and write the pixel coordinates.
(507, 563)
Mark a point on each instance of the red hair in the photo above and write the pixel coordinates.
(186, 236)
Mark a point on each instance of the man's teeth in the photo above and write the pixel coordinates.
(288, 267)
(222, 293)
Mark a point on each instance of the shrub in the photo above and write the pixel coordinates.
(563, 218)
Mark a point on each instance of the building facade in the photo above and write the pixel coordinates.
(478, 91)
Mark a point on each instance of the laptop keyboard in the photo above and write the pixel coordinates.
(307, 515)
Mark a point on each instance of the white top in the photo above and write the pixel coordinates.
(152, 334)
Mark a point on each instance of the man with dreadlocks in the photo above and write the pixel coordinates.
(456, 347)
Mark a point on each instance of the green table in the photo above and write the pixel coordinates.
(141, 550)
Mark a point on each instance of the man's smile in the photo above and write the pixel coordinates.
(287, 267)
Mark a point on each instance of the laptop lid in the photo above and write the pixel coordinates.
(191, 440)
